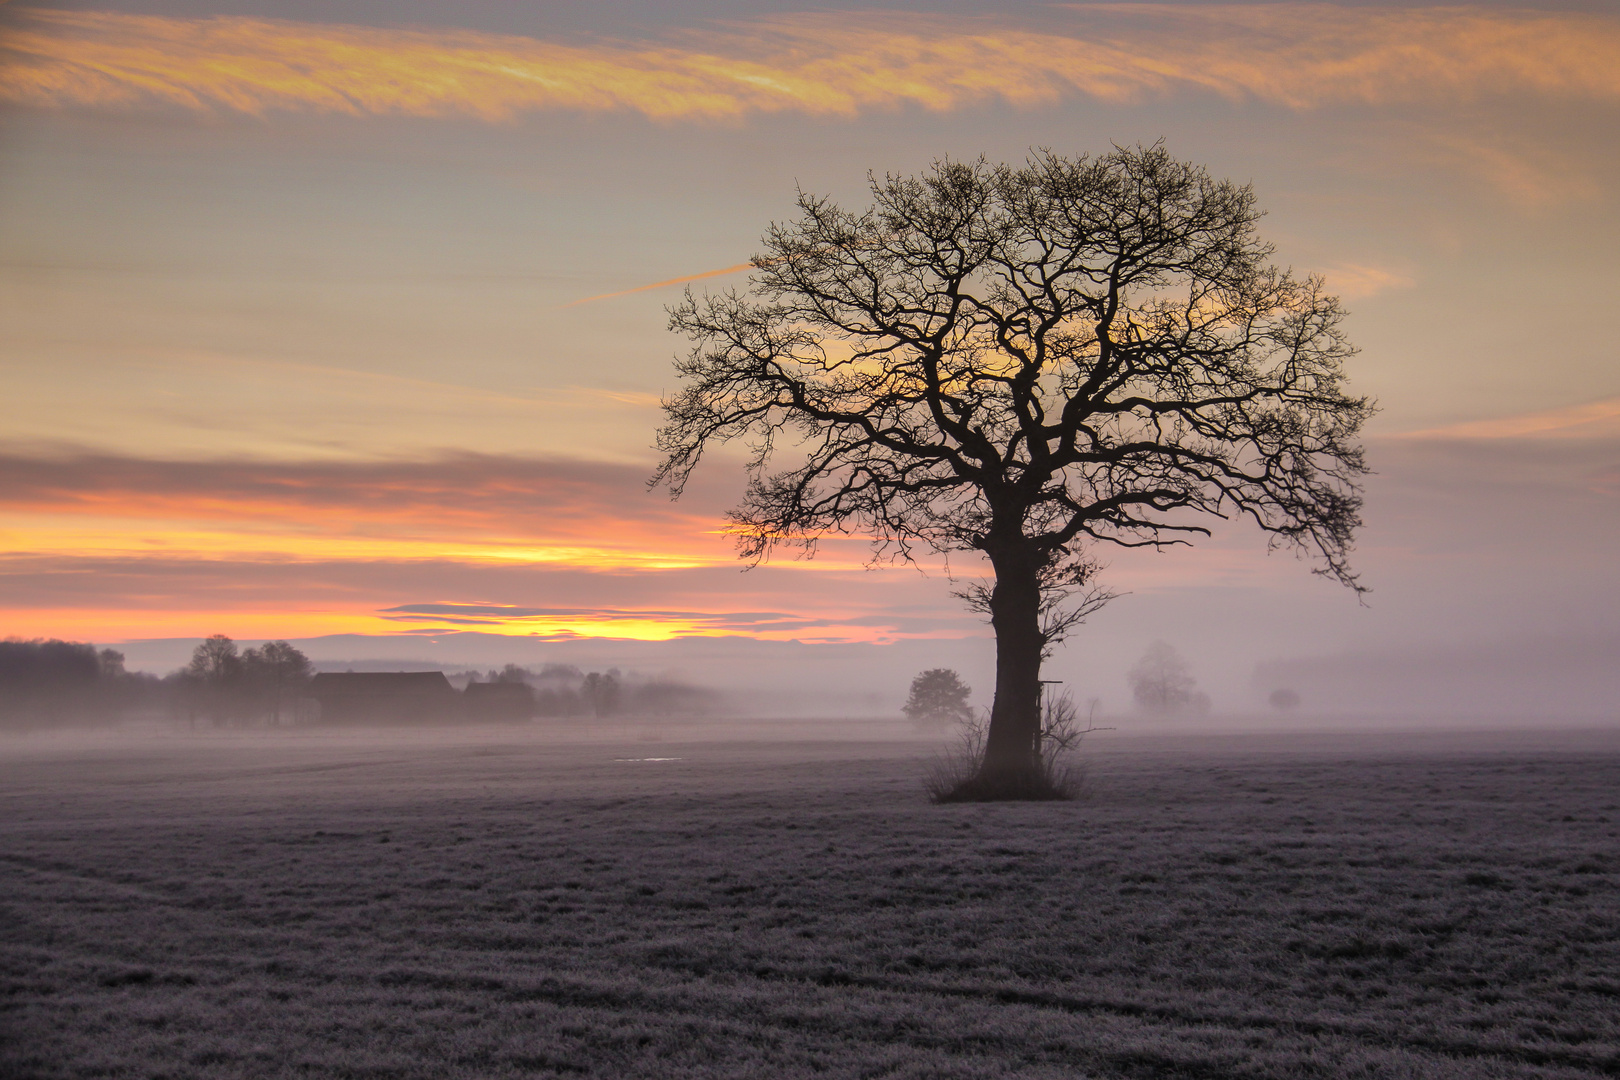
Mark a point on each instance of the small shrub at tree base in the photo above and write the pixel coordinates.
(958, 775)
(956, 780)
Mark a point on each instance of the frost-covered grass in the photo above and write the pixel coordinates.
(476, 907)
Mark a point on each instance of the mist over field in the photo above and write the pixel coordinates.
(1566, 679)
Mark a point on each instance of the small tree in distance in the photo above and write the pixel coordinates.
(938, 696)
(1161, 683)
(1022, 362)
(601, 692)
(278, 670)
(215, 661)
(1284, 698)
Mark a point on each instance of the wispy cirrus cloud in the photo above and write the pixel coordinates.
(1592, 419)
(1299, 56)
(701, 276)
(1356, 281)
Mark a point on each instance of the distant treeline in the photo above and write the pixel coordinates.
(46, 684)
(60, 683)
(562, 690)
(51, 683)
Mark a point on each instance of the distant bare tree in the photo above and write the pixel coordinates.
(511, 673)
(277, 670)
(1283, 698)
(938, 695)
(601, 693)
(212, 679)
(48, 682)
(110, 663)
(1161, 683)
(1022, 361)
(215, 661)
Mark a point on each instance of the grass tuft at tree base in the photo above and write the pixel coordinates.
(957, 779)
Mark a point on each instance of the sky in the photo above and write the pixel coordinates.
(344, 322)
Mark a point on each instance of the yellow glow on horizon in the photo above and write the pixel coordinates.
(1299, 56)
(88, 536)
(246, 605)
(114, 537)
(105, 626)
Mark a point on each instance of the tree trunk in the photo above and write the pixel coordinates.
(1012, 745)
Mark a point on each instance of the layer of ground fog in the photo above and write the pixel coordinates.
(499, 905)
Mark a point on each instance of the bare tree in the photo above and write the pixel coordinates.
(277, 669)
(1061, 730)
(215, 660)
(601, 693)
(938, 695)
(1021, 361)
(1161, 683)
(212, 678)
(1284, 698)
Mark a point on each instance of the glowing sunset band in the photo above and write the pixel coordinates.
(1295, 55)
(258, 621)
(466, 508)
(104, 548)
(642, 625)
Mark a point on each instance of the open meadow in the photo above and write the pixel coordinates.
(497, 904)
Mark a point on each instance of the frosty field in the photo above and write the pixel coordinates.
(499, 905)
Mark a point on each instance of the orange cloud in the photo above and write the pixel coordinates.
(1531, 176)
(1299, 56)
(1354, 281)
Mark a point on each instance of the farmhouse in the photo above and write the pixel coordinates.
(384, 697)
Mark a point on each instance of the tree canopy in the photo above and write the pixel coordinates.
(938, 694)
(1024, 361)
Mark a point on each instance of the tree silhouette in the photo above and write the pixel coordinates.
(938, 694)
(215, 661)
(1161, 683)
(277, 669)
(1021, 361)
(212, 678)
(1283, 698)
(601, 693)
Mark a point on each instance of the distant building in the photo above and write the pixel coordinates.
(384, 697)
(498, 701)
